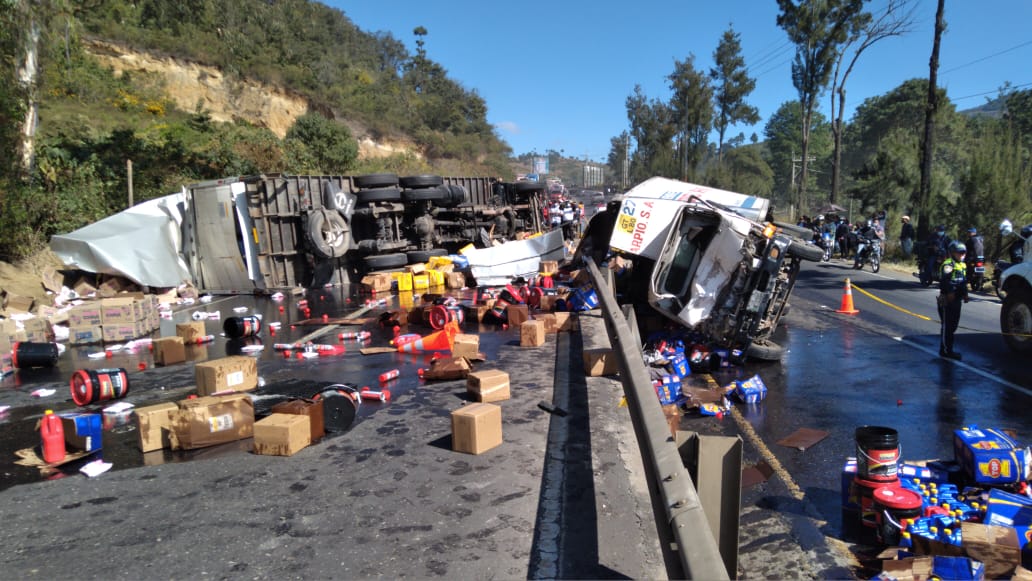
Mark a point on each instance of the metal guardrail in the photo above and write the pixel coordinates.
(677, 500)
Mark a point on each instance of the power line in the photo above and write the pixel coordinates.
(988, 92)
(995, 54)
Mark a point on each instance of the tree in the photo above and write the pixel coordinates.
(691, 109)
(924, 194)
(321, 145)
(653, 132)
(817, 29)
(783, 133)
(731, 85)
(895, 20)
(619, 150)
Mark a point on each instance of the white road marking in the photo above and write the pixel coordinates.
(970, 368)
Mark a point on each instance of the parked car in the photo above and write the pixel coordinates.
(717, 265)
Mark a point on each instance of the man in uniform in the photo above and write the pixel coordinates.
(952, 291)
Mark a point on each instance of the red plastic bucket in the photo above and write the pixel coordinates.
(877, 453)
(441, 315)
(91, 386)
(893, 507)
(864, 490)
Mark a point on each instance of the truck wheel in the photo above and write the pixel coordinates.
(523, 187)
(423, 181)
(421, 256)
(456, 196)
(801, 249)
(429, 194)
(376, 180)
(328, 233)
(379, 195)
(765, 350)
(382, 261)
(1016, 320)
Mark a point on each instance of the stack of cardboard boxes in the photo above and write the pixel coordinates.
(112, 320)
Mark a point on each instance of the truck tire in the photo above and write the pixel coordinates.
(376, 180)
(765, 350)
(797, 231)
(805, 251)
(328, 234)
(421, 256)
(430, 194)
(382, 261)
(1016, 320)
(523, 187)
(455, 198)
(423, 181)
(379, 195)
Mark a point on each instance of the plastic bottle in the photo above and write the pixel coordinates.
(389, 375)
(52, 431)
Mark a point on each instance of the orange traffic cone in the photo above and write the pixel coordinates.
(847, 307)
(438, 341)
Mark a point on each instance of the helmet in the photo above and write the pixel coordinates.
(868, 222)
(1006, 227)
(972, 230)
(958, 247)
(820, 217)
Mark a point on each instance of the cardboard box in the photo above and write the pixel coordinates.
(599, 362)
(532, 334)
(403, 281)
(38, 330)
(211, 420)
(549, 267)
(82, 431)
(234, 373)
(455, 280)
(312, 409)
(436, 278)
(547, 302)
(169, 350)
(488, 385)
(564, 322)
(415, 268)
(118, 311)
(154, 424)
(84, 286)
(446, 368)
(989, 456)
(282, 434)
(466, 345)
(191, 332)
(516, 315)
(379, 282)
(17, 304)
(476, 428)
(84, 315)
(119, 332)
(550, 322)
(85, 335)
(672, 413)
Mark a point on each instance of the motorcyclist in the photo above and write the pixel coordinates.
(935, 252)
(842, 236)
(953, 291)
(975, 254)
(867, 241)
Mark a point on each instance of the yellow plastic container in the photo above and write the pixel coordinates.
(420, 282)
(466, 248)
(435, 277)
(438, 261)
(404, 281)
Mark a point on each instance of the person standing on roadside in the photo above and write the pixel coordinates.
(906, 237)
(952, 293)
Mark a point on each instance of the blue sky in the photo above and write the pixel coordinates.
(556, 75)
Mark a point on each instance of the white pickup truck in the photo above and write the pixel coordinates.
(719, 267)
(1016, 314)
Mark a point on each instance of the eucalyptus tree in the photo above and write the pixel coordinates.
(691, 108)
(653, 131)
(896, 19)
(818, 29)
(731, 85)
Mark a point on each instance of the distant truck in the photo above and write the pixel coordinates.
(1016, 314)
(269, 232)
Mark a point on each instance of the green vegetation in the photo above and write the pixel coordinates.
(92, 121)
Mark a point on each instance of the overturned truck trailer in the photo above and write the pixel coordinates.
(267, 232)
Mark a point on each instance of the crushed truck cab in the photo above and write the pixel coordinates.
(716, 267)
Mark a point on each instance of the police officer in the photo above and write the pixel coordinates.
(952, 290)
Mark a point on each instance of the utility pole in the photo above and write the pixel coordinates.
(627, 161)
(795, 167)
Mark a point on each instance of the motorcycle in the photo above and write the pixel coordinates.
(868, 251)
(976, 273)
(827, 242)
